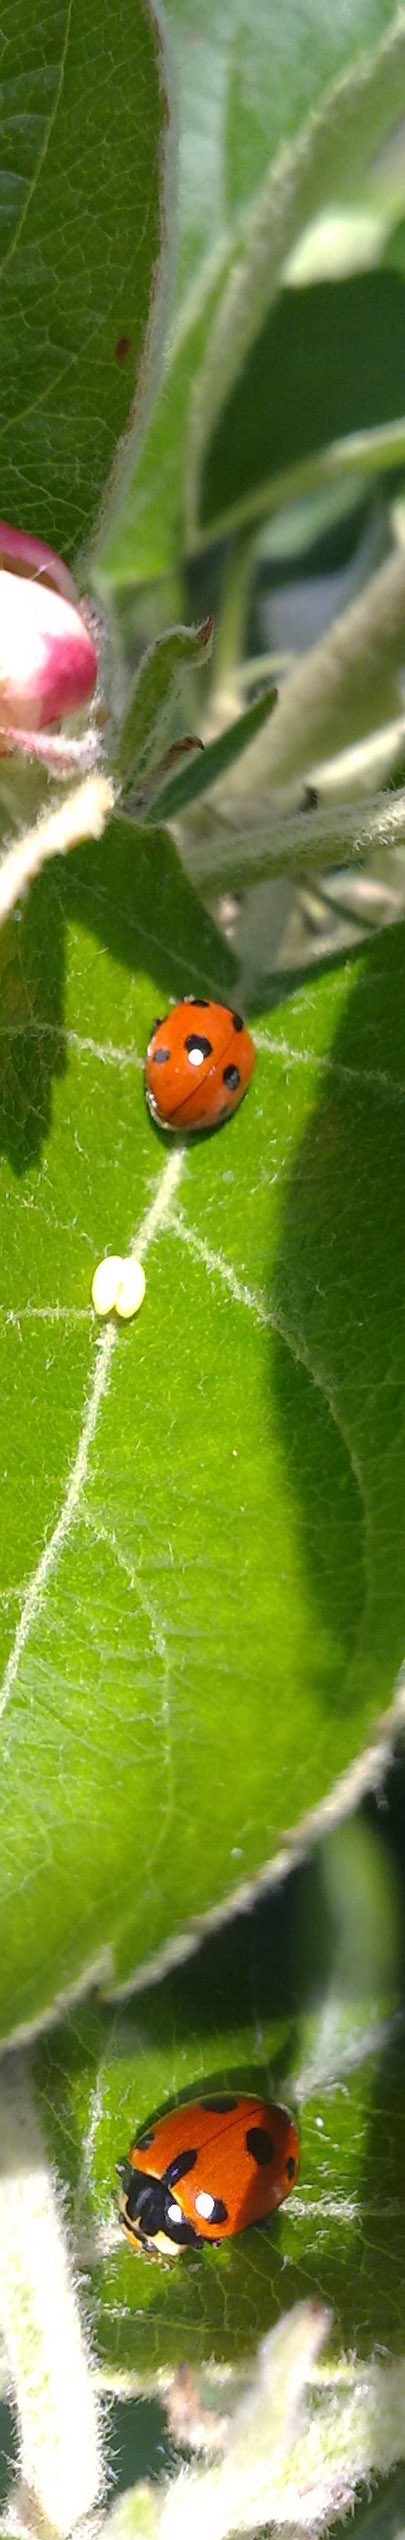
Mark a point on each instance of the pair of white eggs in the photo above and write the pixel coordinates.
(118, 1286)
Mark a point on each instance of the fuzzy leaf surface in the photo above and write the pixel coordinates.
(203, 1602)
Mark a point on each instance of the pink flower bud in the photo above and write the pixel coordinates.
(48, 663)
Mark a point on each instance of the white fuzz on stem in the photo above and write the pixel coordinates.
(244, 2491)
(295, 2455)
(49, 2367)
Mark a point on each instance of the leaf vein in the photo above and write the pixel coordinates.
(106, 1535)
(152, 1222)
(373, 1078)
(106, 1051)
(42, 155)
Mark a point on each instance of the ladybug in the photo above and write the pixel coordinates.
(204, 2171)
(198, 1065)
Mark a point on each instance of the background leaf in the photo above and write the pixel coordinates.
(244, 83)
(83, 228)
(347, 334)
(329, 160)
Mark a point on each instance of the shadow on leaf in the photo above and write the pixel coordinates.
(338, 1287)
(32, 1048)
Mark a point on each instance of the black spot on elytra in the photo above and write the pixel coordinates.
(143, 2140)
(202, 1003)
(220, 2104)
(259, 2143)
(231, 1077)
(290, 2166)
(159, 1057)
(178, 2168)
(198, 1041)
(237, 1020)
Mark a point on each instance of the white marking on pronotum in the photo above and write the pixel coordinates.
(155, 1218)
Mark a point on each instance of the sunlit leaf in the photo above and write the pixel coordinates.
(202, 1579)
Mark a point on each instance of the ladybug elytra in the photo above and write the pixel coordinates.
(206, 2170)
(198, 1065)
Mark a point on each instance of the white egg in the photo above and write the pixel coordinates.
(106, 1282)
(130, 1290)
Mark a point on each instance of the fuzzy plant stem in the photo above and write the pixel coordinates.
(300, 842)
(47, 2361)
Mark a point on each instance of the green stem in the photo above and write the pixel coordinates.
(230, 625)
(48, 2364)
(302, 842)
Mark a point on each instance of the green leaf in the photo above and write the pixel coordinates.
(136, 2512)
(144, 724)
(244, 86)
(191, 781)
(241, 2015)
(203, 1585)
(148, 535)
(246, 82)
(330, 156)
(384, 2518)
(279, 63)
(345, 336)
(84, 152)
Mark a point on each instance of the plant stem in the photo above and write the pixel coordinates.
(48, 2364)
(302, 842)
